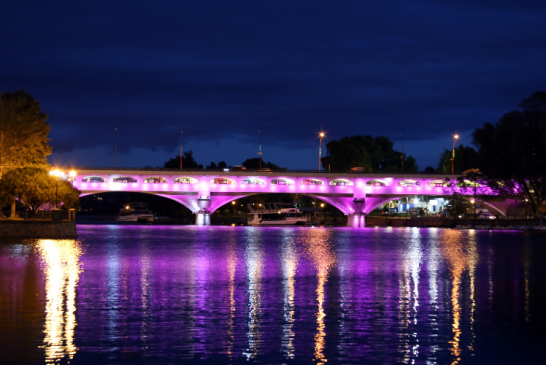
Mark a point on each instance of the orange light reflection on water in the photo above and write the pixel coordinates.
(460, 257)
(62, 268)
(318, 247)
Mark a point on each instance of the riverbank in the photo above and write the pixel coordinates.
(455, 223)
(38, 229)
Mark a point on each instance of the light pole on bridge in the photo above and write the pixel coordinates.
(321, 135)
(455, 138)
(181, 135)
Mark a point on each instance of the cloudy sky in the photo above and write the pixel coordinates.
(222, 70)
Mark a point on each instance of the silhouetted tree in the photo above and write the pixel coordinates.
(221, 165)
(512, 153)
(187, 162)
(372, 154)
(254, 164)
(465, 159)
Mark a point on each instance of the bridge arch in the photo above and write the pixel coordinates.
(311, 182)
(341, 182)
(185, 180)
(253, 181)
(409, 182)
(94, 179)
(124, 179)
(155, 180)
(377, 182)
(282, 181)
(185, 202)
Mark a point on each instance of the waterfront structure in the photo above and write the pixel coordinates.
(203, 192)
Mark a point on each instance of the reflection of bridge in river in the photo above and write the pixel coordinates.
(203, 192)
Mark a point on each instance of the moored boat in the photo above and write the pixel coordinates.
(275, 214)
(135, 212)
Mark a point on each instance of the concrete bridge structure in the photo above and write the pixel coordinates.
(203, 192)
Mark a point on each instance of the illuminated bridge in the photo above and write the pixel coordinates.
(203, 192)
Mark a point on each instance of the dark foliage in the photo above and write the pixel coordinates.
(512, 152)
(372, 154)
(187, 162)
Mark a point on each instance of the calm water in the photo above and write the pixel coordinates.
(163, 294)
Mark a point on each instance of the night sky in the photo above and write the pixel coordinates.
(222, 70)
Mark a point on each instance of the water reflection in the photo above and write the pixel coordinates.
(459, 257)
(254, 262)
(275, 295)
(231, 266)
(289, 260)
(62, 268)
(318, 248)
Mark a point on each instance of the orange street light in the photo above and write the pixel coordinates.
(455, 138)
(321, 135)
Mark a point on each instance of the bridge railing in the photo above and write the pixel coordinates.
(333, 172)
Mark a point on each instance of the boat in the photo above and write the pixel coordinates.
(275, 214)
(135, 212)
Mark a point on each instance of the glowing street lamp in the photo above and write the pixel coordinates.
(455, 138)
(321, 135)
(57, 174)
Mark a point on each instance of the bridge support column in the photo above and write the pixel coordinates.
(202, 218)
(356, 220)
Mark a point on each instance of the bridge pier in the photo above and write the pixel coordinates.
(356, 220)
(202, 218)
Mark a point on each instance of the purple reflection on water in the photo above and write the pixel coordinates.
(274, 295)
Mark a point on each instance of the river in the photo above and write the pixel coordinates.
(291, 295)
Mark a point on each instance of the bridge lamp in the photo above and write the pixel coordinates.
(321, 135)
(322, 205)
(56, 174)
(455, 138)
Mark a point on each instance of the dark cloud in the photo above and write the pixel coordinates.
(223, 70)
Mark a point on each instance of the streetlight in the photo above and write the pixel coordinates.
(57, 174)
(181, 135)
(115, 146)
(455, 138)
(260, 147)
(321, 135)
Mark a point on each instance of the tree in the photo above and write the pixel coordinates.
(512, 152)
(221, 165)
(254, 164)
(187, 162)
(23, 132)
(465, 159)
(373, 154)
(33, 186)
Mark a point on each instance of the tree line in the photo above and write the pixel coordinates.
(509, 156)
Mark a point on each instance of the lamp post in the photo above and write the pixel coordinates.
(57, 175)
(115, 146)
(455, 138)
(321, 135)
(181, 135)
(72, 175)
(260, 148)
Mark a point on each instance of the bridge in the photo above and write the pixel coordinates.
(203, 192)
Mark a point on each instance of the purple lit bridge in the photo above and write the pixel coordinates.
(203, 192)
